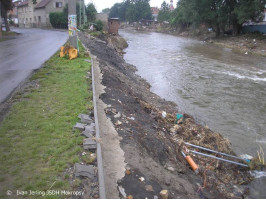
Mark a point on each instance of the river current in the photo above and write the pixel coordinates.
(222, 89)
(219, 87)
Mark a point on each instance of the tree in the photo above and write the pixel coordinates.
(6, 5)
(139, 10)
(164, 13)
(164, 6)
(245, 10)
(91, 12)
(106, 10)
(119, 10)
(218, 14)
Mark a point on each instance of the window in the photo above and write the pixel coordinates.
(58, 5)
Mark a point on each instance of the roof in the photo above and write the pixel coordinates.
(113, 19)
(24, 3)
(42, 4)
(155, 10)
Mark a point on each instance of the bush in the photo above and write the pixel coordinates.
(58, 19)
(99, 25)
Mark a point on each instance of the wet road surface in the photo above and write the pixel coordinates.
(25, 53)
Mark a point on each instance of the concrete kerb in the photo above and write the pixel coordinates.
(102, 193)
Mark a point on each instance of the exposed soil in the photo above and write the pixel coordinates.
(152, 143)
(246, 43)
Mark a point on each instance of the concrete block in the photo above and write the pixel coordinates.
(88, 134)
(89, 144)
(85, 118)
(80, 126)
(84, 170)
(90, 127)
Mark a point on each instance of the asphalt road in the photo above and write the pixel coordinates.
(25, 53)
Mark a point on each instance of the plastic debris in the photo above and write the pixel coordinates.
(118, 115)
(122, 192)
(179, 116)
(246, 157)
(191, 162)
(164, 114)
(141, 179)
(164, 194)
(149, 188)
(258, 174)
(118, 123)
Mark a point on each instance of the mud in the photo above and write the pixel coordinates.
(151, 142)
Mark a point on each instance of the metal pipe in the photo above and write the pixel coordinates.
(210, 156)
(224, 154)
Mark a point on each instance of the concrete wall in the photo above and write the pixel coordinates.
(103, 17)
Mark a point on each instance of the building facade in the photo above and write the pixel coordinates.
(37, 15)
(113, 25)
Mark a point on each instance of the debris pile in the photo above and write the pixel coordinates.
(153, 132)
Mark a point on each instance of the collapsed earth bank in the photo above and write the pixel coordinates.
(153, 143)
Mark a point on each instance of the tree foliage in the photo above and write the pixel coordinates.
(58, 19)
(91, 12)
(164, 13)
(131, 10)
(106, 10)
(217, 14)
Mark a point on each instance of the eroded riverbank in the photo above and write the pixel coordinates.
(150, 141)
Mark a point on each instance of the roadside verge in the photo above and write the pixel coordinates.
(38, 147)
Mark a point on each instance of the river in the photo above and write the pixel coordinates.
(219, 87)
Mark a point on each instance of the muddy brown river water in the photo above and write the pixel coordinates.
(220, 88)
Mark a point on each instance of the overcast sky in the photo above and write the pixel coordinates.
(101, 4)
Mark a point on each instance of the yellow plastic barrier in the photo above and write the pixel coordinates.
(71, 51)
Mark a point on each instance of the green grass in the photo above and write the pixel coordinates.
(10, 33)
(37, 143)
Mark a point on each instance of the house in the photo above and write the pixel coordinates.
(155, 11)
(37, 15)
(171, 5)
(13, 14)
(25, 13)
(113, 25)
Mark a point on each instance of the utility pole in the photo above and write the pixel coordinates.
(72, 23)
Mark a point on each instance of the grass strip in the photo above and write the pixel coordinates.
(37, 143)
